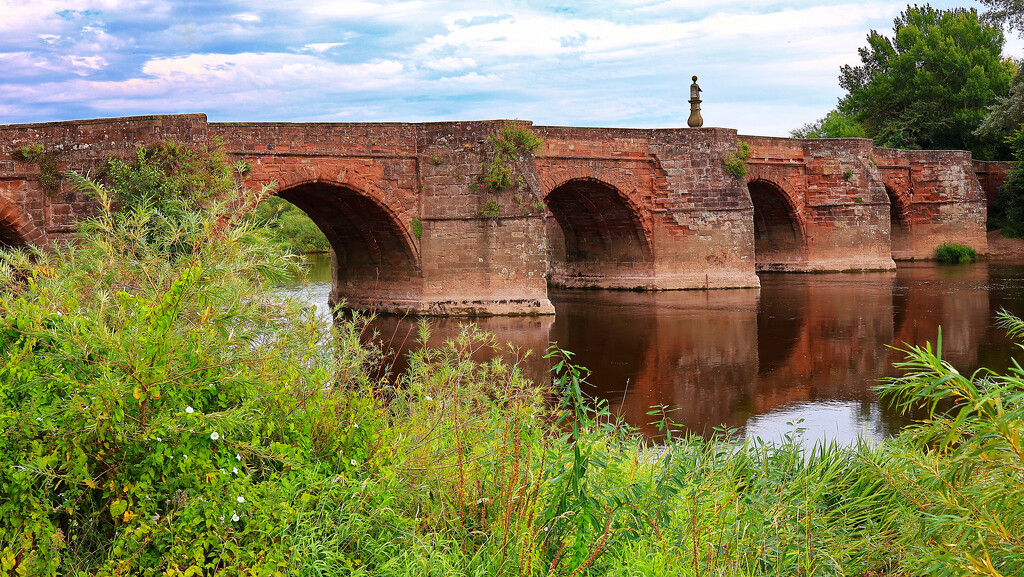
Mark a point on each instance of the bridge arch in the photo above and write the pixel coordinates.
(780, 239)
(16, 229)
(373, 257)
(899, 221)
(597, 235)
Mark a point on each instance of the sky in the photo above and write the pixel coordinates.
(765, 66)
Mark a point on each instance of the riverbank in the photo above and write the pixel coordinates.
(1004, 249)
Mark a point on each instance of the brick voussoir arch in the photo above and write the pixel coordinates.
(19, 225)
(903, 194)
(625, 189)
(789, 192)
(343, 179)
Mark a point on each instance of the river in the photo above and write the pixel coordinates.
(803, 351)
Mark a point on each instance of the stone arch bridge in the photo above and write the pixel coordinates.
(413, 229)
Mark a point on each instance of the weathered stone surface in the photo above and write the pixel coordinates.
(596, 207)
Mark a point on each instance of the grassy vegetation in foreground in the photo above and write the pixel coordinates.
(164, 414)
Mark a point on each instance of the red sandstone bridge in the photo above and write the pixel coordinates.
(411, 229)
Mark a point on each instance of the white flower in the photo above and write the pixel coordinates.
(353, 462)
(189, 410)
(234, 470)
(215, 435)
(428, 398)
(184, 455)
(223, 472)
(159, 439)
(40, 419)
(238, 457)
(240, 499)
(234, 516)
(355, 425)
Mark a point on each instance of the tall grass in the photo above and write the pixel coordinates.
(953, 253)
(164, 414)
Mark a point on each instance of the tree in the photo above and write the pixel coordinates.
(1007, 114)
(835, 124)
(1005, 12)
(930, 85)
(1007, 212)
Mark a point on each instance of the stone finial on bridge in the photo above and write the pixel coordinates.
(695, 120)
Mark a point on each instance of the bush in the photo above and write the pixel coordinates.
(951, 252)
(291, 229)
(154, 398)
(735, 162)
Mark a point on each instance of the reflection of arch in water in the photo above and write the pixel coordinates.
(372, 253)
(899, 223)
(600, 238)
(778, 232)
(780, 324)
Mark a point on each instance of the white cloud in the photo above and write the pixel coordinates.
(451, 64)
(323, 46)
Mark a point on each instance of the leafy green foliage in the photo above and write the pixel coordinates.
(1005, 12)
(153, 396)
(835, 124)
(951, 252)
(510, 144)
(930, 84)
(736, 162)
(290, 227)
(1007, 212)
(960, 467)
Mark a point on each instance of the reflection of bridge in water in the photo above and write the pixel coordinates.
(803, 343)
(412, 228)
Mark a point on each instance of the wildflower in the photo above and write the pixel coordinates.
(40, 419)
(355, 425)
(215, 435)
(159, 439)
(234, 470)
(234, 516)
(428, 398)
(184, 455)
(240, 499)
(238, 457)
(353, 462)
(189, 410)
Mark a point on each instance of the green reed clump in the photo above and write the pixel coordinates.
(951, 252)
(960, 469)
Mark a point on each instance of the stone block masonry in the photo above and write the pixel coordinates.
(413, 228)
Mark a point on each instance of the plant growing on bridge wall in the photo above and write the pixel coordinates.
(736, 162)
(510, 143)
(417, 227)
(49, 177)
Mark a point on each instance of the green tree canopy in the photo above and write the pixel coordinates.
(835, 124)
(930, 85)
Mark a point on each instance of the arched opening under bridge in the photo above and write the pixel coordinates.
(596, 237)
(899, 226)
(373, 263)
(778, 238)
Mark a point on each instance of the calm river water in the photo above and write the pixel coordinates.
(804, 346)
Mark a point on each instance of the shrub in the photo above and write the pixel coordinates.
(509, 144)
(290, 227)
(154, 398)
(735, 162)
(950, 252)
